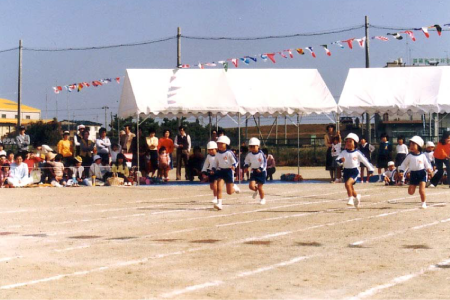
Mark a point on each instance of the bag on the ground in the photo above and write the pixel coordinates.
(291, 177)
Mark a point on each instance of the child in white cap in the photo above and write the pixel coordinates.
(208, 166)
(419, 165)
(224, 166)
(256, 161)
(390, 176)
(351, 158)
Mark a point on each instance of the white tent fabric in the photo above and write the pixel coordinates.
(396, 91)
(246, 91)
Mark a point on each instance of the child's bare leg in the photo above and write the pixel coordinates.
(362, 173)
(213, 186)
(219, 188)
(252, 185)
(423, 197)
(230, 188)
(261, 191)
(332, 174)
(412, 189)
(339, 172)
(349, 186)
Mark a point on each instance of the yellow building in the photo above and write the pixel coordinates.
(8, 115)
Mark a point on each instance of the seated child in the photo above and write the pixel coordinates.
(97, 171)
(59, 178)
(390, 176)
(4, 174)
(77, 174)
(18, 177)
(120, 168)
(164, 163)
(2, 151)
(115, 149)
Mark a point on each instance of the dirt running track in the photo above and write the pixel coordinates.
(166, 242)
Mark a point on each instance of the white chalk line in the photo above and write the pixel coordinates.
(164, 255)
(400, 279)
(9, 258)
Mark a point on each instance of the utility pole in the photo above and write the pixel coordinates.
(367, 66)
(105, 108)
(19, 91)
(179, 59)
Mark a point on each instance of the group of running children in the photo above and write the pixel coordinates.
(221, 163)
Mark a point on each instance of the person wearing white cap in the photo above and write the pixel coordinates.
(429, 153)
(97, 170)
(256, 161)
(390, 174)
(351, 159)
(419, 165)
(224, 166)
(208, 166)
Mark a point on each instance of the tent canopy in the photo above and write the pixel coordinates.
(396, 91)
(246, 91)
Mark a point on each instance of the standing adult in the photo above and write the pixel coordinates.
(86, 151)
(213, 136)
(65, 148)
(167, 142)
(152, 144)
(328, 138)
(441, 157)
(103, 145)
(126, 139)
(77, 138)
(22, 141)
(182, 143)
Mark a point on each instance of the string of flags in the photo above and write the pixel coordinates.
(272, 56)
(85, 84)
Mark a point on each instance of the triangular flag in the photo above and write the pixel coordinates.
(338, 43)
(264, 57)
(381, 38)
(396, 35)
(271, 56)
(252, 58)
(200, 66)
(290, 53)
(326, 50)
(312, 51)
(282, 54)
(300, 51)
(361, 42)
(438, 29)
(80, 87)
(118, 79)
(210, 64)
(425, 31)
(349, 43)
(96, 83)
(411, 34)
(234, 61)
(86, 84)
(245, 60)
(56, 89)
(185, 66)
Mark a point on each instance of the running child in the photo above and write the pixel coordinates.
(351, 159)
(366, 149)
(384, 154)
(336, 149)
(224, 167)
(256, 161)
(390, 176)
(419, 165)
(208, 166)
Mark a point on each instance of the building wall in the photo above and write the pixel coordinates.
(25, 115)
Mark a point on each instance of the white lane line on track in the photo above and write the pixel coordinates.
(17, 211)
(214, 283)
(9, 258)
(72, 248)
(191, 250)
(400, 279)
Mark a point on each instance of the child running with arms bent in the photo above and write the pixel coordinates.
(256, 161)
(419, 165)
(225, 164)
(351, 159)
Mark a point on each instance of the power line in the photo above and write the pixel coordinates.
(401, 28)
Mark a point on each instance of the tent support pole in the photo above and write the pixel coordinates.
(239, 148)
(298, 144)
(338, 118)
(137, 140)
(210, 125)
(259, 131)
(246, 128)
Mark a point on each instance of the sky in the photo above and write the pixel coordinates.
(58, 24)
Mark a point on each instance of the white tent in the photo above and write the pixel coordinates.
(396, 90)
(166, 92)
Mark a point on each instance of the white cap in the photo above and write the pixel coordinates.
(81, 126)
(97, 157)
(353, 137)
(254, 142)
(417, 139)
(430, 144)
(211, 145)
(391, 163)
(224, 139)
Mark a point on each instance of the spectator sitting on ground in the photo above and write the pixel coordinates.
(195, 164)
(115, 150)
(120, 168)
(96, 169)
(42, 149)
(270, 164)
(19, 173)
(390, 176)
(2, 151)
(10, 157)
(59, 178)
(3, 159)
(31, 160)
(77, 172)
(4, 174)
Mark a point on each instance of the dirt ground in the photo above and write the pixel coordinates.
(167, 242)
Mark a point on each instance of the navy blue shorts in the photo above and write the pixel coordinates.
(226, 175)
(417, 177)
(211, 177)
(258, 177)
(350, 173)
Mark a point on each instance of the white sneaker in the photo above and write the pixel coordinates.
(262, 201)
(424, 205)
(255, 194)
(431, 185)
(350, 201)
(357, 201)
(214, 200)
(336, 181)
(236, 189)
(218, 205)
(380, 180)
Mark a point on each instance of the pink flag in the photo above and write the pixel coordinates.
(57, 89)
(326, 50)
(425, 31)
(381, 38)
(271, 56)
(361, 42)
(185, 66)
(118, 79)
(282, 54)
(290, 53)
(235, 61)
(349, 43)
(312, 51)
(411, 35)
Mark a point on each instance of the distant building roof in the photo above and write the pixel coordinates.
(8, 105)
(23, 121)
(403, 122)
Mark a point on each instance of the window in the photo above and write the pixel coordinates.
(3, 116)
(16, 116)
(28, 117)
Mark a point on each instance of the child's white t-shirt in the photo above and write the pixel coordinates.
(336, 149)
